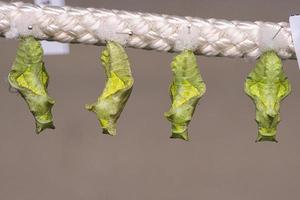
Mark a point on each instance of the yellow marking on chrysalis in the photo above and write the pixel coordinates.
(186, 91)
(44, 78)
(255, 90)
(114, 84)
(23, 82)
(104, 122)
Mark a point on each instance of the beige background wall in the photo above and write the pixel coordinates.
(76, 162)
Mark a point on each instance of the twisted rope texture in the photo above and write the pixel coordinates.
(209, 37)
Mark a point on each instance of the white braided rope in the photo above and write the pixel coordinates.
(209, 37)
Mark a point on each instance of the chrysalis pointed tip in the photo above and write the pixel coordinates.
(89, 107)
(183, 136)
(111, 132)
(262, 138)
(51, 101)
(40, 127)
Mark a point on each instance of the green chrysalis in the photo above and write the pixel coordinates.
(118, 87)
(186, 89)
(267, 85)
(30, 78)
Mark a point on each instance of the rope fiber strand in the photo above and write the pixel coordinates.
(209, 37)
